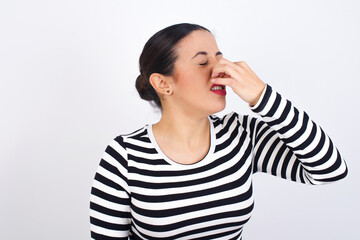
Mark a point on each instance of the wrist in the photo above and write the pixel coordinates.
(255, 101)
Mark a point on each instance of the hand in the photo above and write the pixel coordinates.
(240, 77)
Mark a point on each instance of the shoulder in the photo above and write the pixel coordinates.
(118, 146)
(136, 137)
(230, 118)
(245, 121)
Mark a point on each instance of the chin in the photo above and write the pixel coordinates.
(218, 107)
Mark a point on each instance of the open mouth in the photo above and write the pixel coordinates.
(218, 89)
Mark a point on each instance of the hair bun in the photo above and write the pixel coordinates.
(142, 87)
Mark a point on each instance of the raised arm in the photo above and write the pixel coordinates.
(109, 199)
(288, 144)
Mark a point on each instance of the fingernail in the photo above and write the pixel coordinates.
(213, 80)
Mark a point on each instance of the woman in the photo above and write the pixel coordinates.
(189, 175)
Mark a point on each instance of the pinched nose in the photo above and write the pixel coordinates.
(220, 75)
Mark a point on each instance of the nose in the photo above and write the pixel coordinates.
(213, 64)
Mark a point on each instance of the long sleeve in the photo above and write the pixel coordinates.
(109, 198)
(288, 144)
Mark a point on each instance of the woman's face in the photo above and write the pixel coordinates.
(197, 55)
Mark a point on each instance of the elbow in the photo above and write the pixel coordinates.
(345, 172)
(340, 173)
(342, 170)
(340, 176)
(334, 173)
(339, 170)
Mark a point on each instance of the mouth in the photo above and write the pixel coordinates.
(218, 89)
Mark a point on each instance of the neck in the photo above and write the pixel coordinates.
(184, 129)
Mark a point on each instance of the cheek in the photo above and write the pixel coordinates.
(192, 82)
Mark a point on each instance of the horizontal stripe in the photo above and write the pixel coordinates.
(136, 193)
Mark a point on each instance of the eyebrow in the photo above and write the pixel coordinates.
(205, 53)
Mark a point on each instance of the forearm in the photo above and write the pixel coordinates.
(319, 159)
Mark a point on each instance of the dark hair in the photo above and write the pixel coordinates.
(159, 56)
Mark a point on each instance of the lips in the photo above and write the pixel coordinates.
(218, 89)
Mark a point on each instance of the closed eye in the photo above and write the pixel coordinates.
(203, 64)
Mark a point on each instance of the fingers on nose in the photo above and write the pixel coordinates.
(221, 75)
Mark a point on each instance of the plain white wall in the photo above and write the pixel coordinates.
(67, 71)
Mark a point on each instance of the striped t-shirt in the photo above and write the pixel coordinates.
(139, 193)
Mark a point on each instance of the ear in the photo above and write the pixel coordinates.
(160, 83)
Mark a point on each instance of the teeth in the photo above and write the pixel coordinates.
(216, 88)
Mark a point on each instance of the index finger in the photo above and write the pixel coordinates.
(224, 66)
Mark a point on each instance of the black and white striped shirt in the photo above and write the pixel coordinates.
(139, 193)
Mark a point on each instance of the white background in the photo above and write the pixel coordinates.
(68, 70)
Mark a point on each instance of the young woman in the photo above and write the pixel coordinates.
(189, 176)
